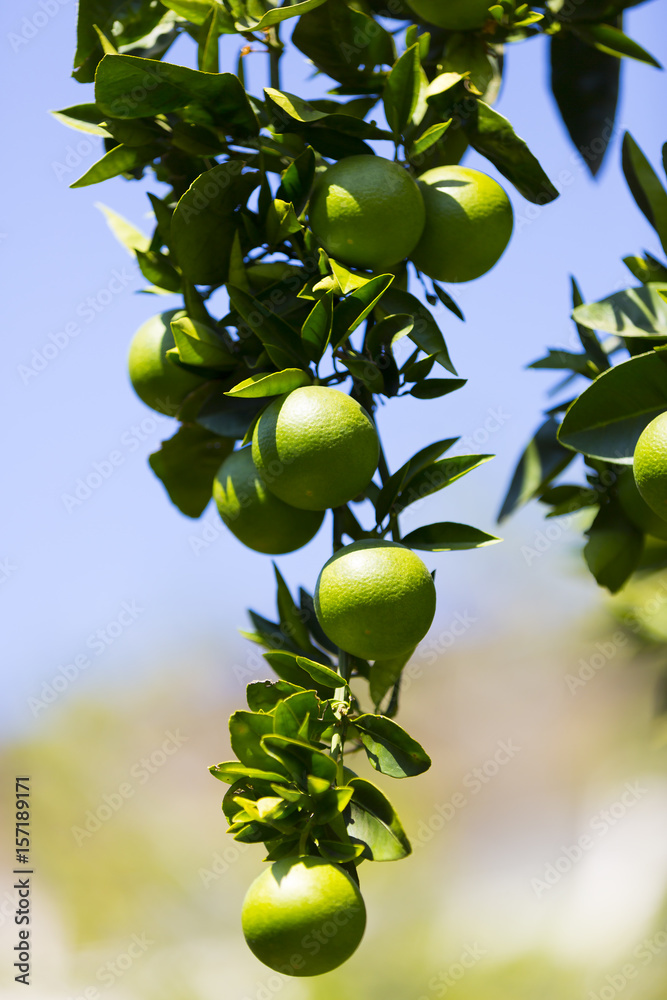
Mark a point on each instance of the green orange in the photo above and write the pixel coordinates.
(455, 15)
(303, 916)
(650, 465)
(315, 448)
(375, 599)
(367, 212)
(468, 224)
(159, 382)
(253, 514)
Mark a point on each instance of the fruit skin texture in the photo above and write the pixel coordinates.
(157, 381)
(253, 514)
(456, 15)
(650, 465)
(293, 907)
(375, 599)
(469, 222)
(367, 212)
(315, 448)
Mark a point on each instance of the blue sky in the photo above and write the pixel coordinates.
(121, 579)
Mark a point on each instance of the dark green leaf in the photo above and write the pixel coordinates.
(445, 536)
(291, 619)
(300, 759)
(584, 82)
(493, 136)
(372, 821)
(566, 499)
(354, 309)
(544, 458)
(434, 388)
(567, 360)
(314, 627)
(187, 464)
(588, 338)
(291, 8)
(316, 330)
(401, 91)
(286, 666)
(646, 269)
(401, 479)
(271, 383)
(386, 673)
(231, 771)
(297, 180)
(263, 696)
(334, 850)
(323, 676)
(293, 714)
(387, 332)
(282, 343)
(200, 344)
(389, 748)
(428, 138)
(614, 547)
(607, 38)
(158, 269)
(447, 301)
(647, 190)
(340, 41)
(281, 222)
(437, 476)
(205, 220)
(246, 731)
(426, 333)
(607, 419)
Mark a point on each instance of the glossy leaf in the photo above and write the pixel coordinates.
(281, 222)
(285, 665)
(282, 343)
(428, 138)
(435, 388)
(300, 759)
(401, 91)
(354, 309)
(388, 332)
(263, 696)
(247, 730)
(334, 850)
(493, 136)
(187, 464)
(292, 114)
(271, 383)
(125, 232)
(389, 748)
(322, 675)
(293, 714)
(426, 333)
(373, 822)
(198, 11)
(610, 39)
(646, 187)
(119, 160)
(614, 547)
(608, 417)
(386, 673)
(447, 536)
(232, 770)
(276, 15)
(158, 269)
(316, 330)
(402, 478)
(204, 222)
(330, 35)
(544, 458)
(199, 344)
(291, 621)
(436, 476)
(297, 180)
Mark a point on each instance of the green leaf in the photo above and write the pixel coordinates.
(646, 269)
(434, 388)
(199, 344)
(291, 622)
(373, 822)
(567, 360)
(297, 181)
(231, 771)
(314, 627)
(204, 222)
(197, 12)
(386, 673)
(401, 91)
(607, 38)
(388, 332)
(436, 476)
(294, 712)
(447, 301)
(210, 408)
(565, 499)
(285, 665)
(389, 748)
(322, 675)
(124, 23)
(428, 139)
(402, 478)
(587, 96)
(278, 14)
(353, 310)
(426, 333)
(281, 222)
(127, 235)
(282, 343)
(334, 850)
(606, 420)
(646, 187)
(300, 759)
(119, 160)
(247, 730)
(493, 136)
(316, 329)
(131, 87)
(588, 338)
(446, 536)
(292, 114)
(83, 118)
(158, 269)
(187, 464)
(544, 458)
(271, 383)
(263, 696)
(614, 547)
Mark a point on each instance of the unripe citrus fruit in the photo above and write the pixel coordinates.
(375, 599)
(637, 509)
(468, 224)
(367, 212)
(456, 15)
(650, 465)
(251, 512)
(315, 447)
(160, 383)
(303, 916)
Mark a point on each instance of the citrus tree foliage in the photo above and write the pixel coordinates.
(623, 340)
(234, 173)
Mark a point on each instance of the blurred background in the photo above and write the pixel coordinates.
(539, 857)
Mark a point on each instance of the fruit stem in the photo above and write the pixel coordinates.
(275, 52)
